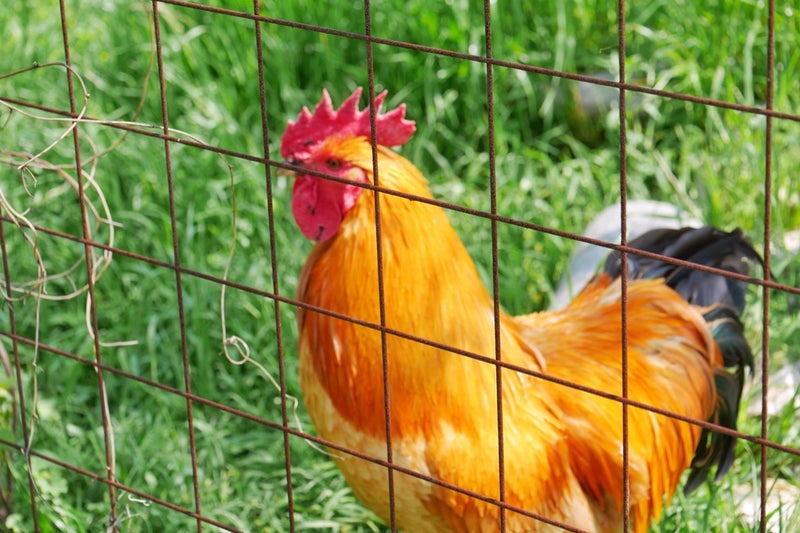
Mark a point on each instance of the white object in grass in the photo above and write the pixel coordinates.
(586, 259)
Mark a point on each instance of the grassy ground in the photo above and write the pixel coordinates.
(557, 165)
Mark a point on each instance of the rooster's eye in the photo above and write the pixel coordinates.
(333, 163)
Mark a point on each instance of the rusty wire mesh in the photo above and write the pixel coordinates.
(103, 364)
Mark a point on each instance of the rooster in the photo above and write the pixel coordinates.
(561, 448)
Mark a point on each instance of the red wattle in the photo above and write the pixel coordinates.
(318, 215)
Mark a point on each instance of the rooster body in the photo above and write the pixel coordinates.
(562, 449)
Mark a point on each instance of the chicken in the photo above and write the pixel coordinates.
(433, 377)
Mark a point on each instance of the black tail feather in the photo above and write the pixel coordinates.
(717, 448)
(725, 298)
(706, 246)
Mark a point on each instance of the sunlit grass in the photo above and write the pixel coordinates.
(557, 165)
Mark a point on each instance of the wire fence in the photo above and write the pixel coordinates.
(32, 350)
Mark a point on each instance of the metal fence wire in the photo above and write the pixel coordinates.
(45, 344)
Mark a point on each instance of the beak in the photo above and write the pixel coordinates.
(289, 172)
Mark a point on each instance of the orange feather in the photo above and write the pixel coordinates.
(562, 448)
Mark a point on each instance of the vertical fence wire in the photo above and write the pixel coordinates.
(498, 352)
(623, 224)
(108, 432)
(770, 95)
(176, 258)
(370, 41)
(21, 408)
(379, 251)
(273, 255)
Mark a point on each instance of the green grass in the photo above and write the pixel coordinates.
(557, 165)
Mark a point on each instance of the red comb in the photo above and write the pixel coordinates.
(391, 128)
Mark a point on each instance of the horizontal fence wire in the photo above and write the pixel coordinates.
(177, 268)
